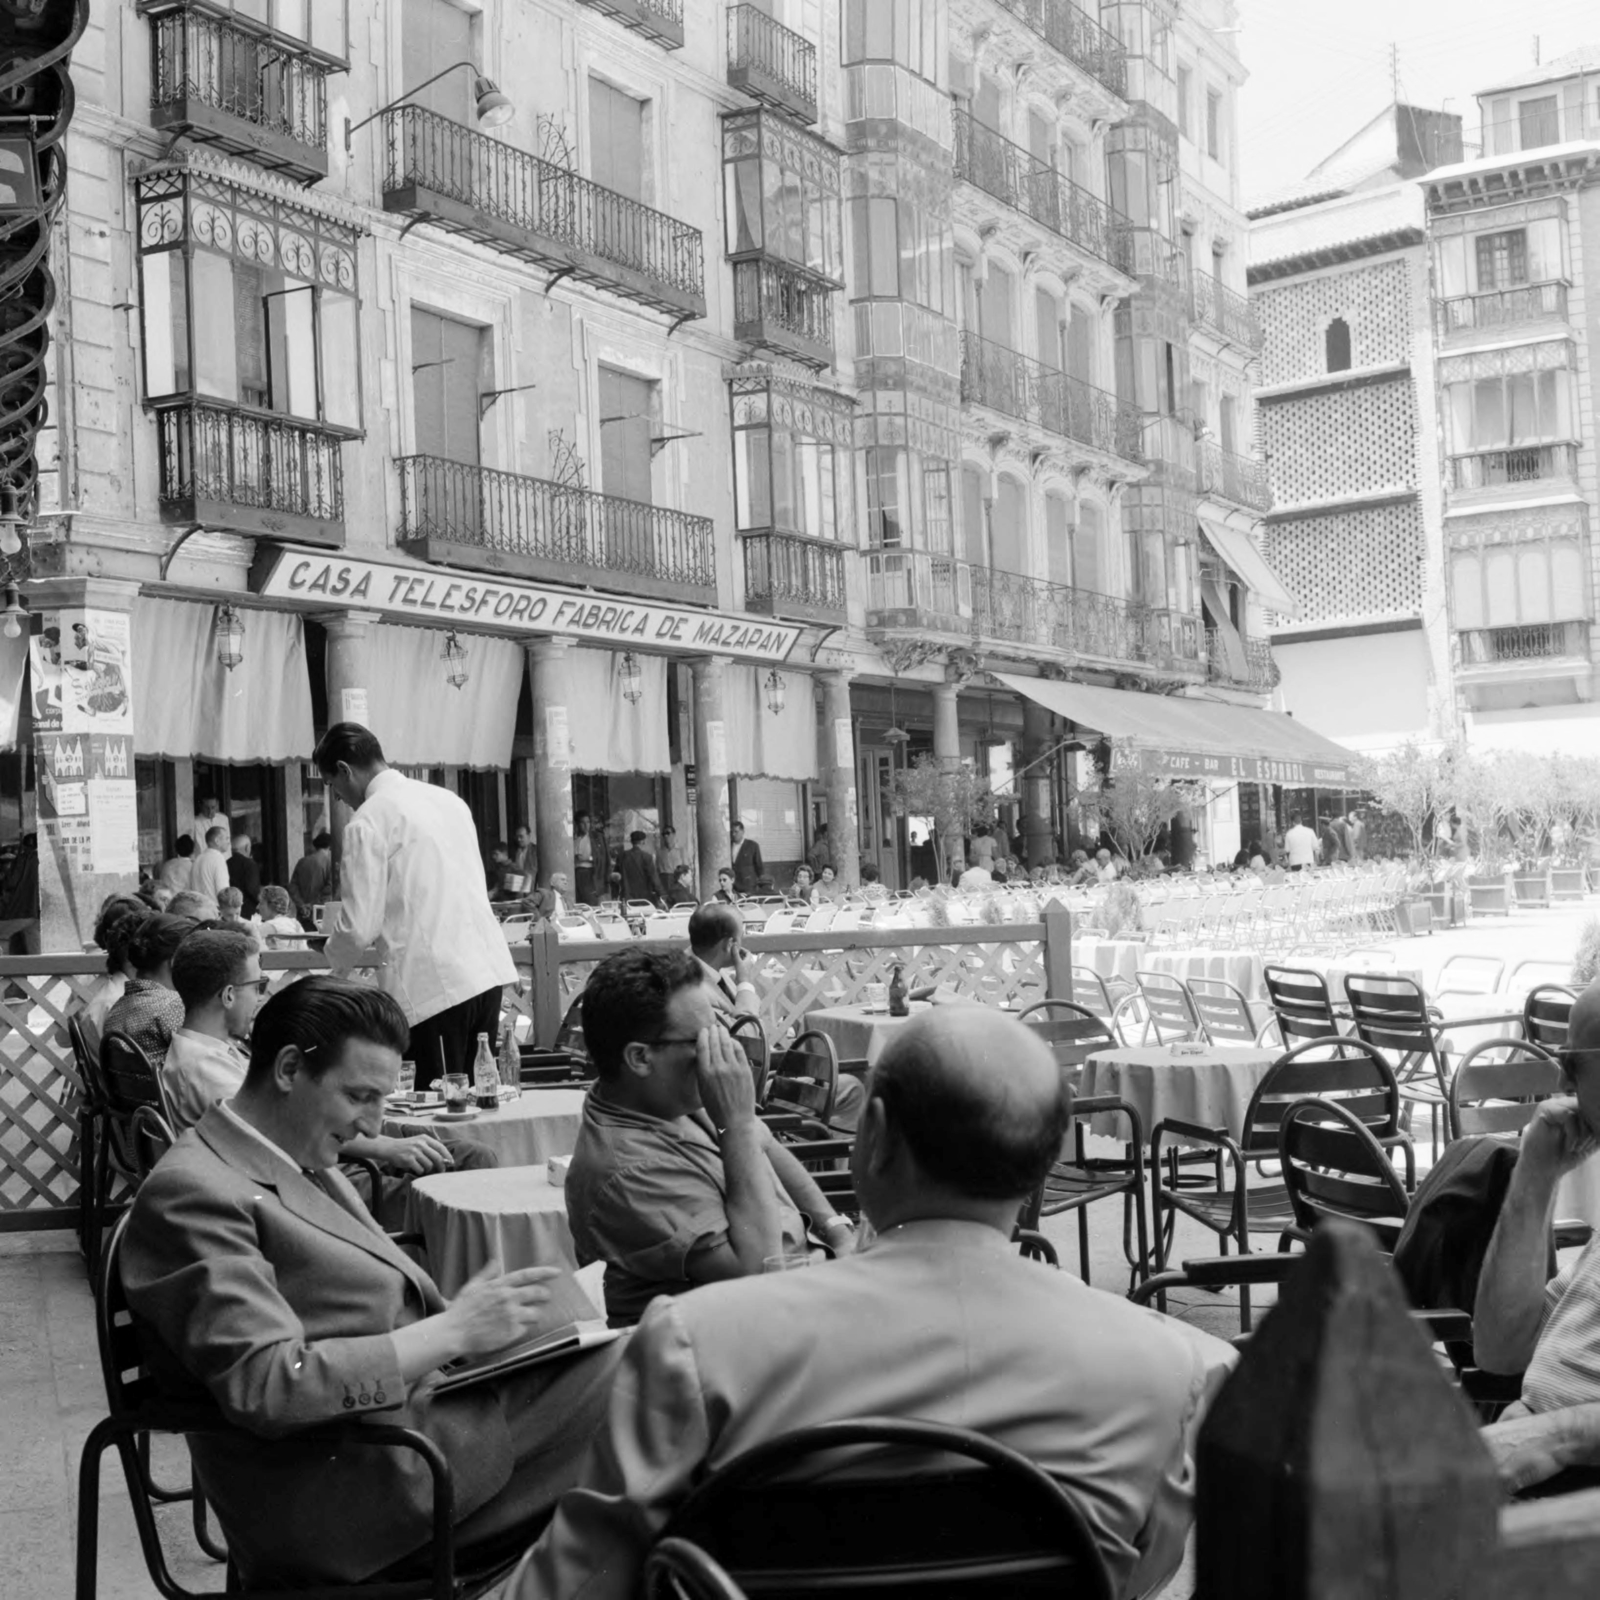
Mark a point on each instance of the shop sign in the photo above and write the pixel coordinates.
(1234, 769)
(494, 605)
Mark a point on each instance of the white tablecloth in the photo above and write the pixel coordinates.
(1212, 1089)
(1241, 968)
(1111, 958)
(522, 1133)
(512, 1215)
(859, 1034)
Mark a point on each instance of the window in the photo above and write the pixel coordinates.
(1509, 408)
(275, 327)
(974, 516)
(1336, 344)
(902, 251)
(1185, 94)
(1057, 539)
(1507, 258)
(628, 412)
(1047, 316)
(902, 31)
(1169, 390)
(782, 194)
(1088, 545)
(449, 370)
(1539, 122)
(939, 534)
(1502, 259)
(1227, 426)
(1009, 534)
(1213, 124)
(997, 307)
(887, 497)
(1080, 345)
(791, 459)
(433, 33)
(321, 24)
(1540, 580)
(616, 140)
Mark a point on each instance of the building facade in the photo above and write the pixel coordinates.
(656, 408)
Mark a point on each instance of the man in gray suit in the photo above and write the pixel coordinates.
(939, 1318)
(263, 1279)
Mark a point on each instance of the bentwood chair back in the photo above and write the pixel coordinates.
(1546, 1014)
(1333, 1167)
(878, 1507)
(805, 1079)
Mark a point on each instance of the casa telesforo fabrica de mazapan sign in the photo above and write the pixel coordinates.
(430, 595)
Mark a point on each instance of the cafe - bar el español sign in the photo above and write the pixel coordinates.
(438, 595)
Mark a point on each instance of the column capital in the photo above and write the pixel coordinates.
(348, 624)
(547, 648)
(836, 677)
(107, 594)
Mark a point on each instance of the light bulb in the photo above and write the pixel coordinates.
(13, 626)
(10, 539)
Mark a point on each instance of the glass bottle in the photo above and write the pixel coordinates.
(898, 1005)
(485, 1076)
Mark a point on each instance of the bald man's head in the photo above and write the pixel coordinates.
(978, 1100)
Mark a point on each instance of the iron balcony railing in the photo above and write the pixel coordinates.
(201, 62)
(789, 574)
(1153, 257)
(993, 163)
(1526, 641)
(783, 308)
(1236, 478)
(772, 63)
(542, 211)
(215, 455)
(1260, 670)
(1003, 380)
(1531, 463)
(1496, 308)
(660, 20)
(597, 537)
(1225, 312)
(1077, 36)
(1539, 125)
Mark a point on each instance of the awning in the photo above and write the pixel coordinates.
(424, 720)
(764, 744)
(1187, 738)
(1238, 549)
(610, 732)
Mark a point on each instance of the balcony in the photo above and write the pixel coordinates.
(791, 575)
(1498, 469)
(772, 64)
(1005, 381)
(1523, 646)
(456, 514)
(1504, 308)
(920, 591)
(783, 309)
(251, 472)
(1077, 36)
(467, 183)
(991, 162)
(1156, 261)
(1260, 672)
(1225, 313)
(226, 81)
(660, 20)
(1240, 479)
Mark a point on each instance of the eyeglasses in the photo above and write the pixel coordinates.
(666, 1038)
(260, 985)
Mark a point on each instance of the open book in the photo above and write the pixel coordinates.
(556, 1345)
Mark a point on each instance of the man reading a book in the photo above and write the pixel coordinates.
(264, 1282)
(938, 1318)
(674, 1180)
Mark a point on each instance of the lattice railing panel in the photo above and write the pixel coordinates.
(1353, 564)
(1373, 301)
(1341, 442)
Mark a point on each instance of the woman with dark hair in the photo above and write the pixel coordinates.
(150, 1011)
(120, 919)
(680, 892)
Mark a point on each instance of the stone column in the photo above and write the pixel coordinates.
(947, 752)
(1038, 822)
(550, 682)
(88, 824)
(711, 771)
(346, 675)
(838, 748)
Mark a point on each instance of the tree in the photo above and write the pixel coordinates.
(1414, 784)
(1484, 789)
(956, 800)
(1135, 805)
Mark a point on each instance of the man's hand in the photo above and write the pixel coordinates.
(1531, 1448)
(727, 1086)
(496, 1309)
(744, 966)
(1556, 1140)
(417, 1155)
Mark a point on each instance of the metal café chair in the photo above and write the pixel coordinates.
(1169, 1009)
(1546, 1014)
(1301, 1004)
(1393, 1015)
(1333, 1167)
(1224, 1013)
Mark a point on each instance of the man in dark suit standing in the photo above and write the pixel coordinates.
(640, 879)
(748, 867)
(244, 874)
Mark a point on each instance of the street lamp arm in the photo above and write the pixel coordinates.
(352, 128)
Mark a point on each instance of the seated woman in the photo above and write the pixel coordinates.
(275, 914)
(805, 887)
(150, 1011)
(827, 889)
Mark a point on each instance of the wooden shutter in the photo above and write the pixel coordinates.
(986, 103)
(974, 537)
(446, 380)
(616, 139)
(1057, 538)
(1088, 571)
(433, 34)
(1011, 527)
(626, 424)
(1048, 318)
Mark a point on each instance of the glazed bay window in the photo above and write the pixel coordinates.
(1516, 601)
(1509, 274)
(785, 234)
(792, 494)
(1509, 414)
(250, 323)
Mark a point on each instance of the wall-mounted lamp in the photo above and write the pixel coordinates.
(492, 108)
(454, 656)
(229, 635)
(11, 522)
(777, 692)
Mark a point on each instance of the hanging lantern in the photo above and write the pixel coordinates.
(777, 692)
(632, 678)
(454, 656)
(11, 521)
(13, 617)
(229, 634)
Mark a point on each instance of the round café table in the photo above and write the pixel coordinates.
(513, 1215)
(1212, 1088)
(859, 1034)
(523, 1132)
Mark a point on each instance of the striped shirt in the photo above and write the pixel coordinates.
(1565, 1370)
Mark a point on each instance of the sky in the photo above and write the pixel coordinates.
(1319, 69)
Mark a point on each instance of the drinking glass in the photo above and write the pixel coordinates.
(457, 1091)
(793, 1256)
(876, 996)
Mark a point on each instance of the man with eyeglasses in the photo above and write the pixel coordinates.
(218, 977)
(674, 1180)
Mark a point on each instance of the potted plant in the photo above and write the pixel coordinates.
(1572, 837)
(1413, 785)
(1483, 791)
(956, 799)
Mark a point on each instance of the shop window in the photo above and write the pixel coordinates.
(247, 300)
